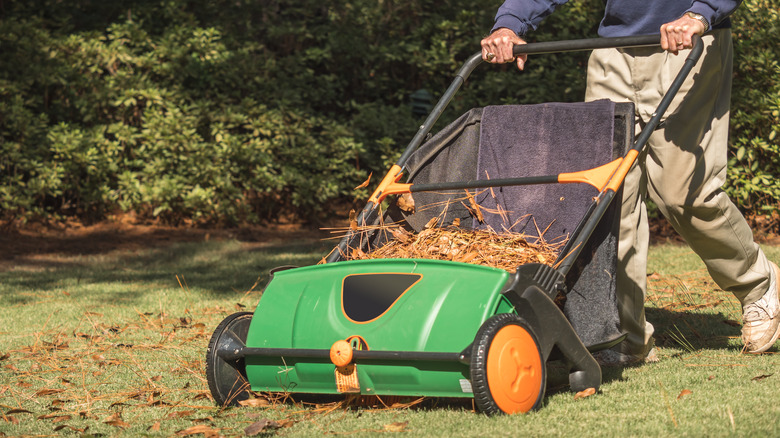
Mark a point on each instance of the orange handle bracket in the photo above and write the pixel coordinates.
(598, 177)
(390, 185)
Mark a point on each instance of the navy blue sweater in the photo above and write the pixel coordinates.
(621, 17)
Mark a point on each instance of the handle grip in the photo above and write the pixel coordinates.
(587, 44)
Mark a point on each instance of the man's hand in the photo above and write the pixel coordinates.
(677, 35)
(497, 47)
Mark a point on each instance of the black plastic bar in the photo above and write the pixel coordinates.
(587, 44)
(358, 355)
(481, 184)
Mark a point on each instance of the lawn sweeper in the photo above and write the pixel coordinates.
(445, 328)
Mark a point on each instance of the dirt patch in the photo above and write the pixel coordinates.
(73, 239)
(38, 241)
(765, 230)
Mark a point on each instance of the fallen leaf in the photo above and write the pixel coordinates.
(254, 402)
(683, 393)
(202, 396)
(365, 183)
(44, 392)
(180, 414)
(10, 419)
(115, 420)
(260, 427)
(199, 429)
(5, 356)
(75, 429)
(156, 378)
(584, 393)
(396, 427)
(286, 422)
(117, 423)
(18, 411)
(654, 276)
(761, 377)
(353, 225)
(406, 202)
(154, 427)
(732, 323)
(474, 208)
(52, 417)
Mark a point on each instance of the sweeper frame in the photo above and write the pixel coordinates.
(413, 327)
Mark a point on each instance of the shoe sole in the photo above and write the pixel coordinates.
(769, 344)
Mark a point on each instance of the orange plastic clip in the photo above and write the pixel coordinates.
(390, 185)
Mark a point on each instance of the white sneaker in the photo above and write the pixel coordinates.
(761, 320)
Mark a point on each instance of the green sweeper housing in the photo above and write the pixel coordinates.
(416, 327)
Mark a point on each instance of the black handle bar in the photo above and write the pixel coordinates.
(588, 44)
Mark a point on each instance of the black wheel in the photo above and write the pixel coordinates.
(227, 379)
(508, 374)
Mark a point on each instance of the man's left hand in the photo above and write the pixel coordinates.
(678, 34)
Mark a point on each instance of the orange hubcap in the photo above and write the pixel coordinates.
(514, 370)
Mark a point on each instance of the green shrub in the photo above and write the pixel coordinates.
(233, 111)
(754, 172)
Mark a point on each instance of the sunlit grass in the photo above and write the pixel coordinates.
(114, 344)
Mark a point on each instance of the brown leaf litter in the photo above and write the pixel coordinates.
(505, 251)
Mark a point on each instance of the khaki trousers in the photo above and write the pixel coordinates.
(682, 170)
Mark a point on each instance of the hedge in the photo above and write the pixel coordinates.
(244, 112)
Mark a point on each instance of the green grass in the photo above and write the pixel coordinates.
(114, 344)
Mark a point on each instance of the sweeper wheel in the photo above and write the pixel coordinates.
(227, 378)
(508, 374)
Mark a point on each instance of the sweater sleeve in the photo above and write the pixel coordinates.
(714, 11)
(523, 16)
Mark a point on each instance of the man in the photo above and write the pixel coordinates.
(684, 165)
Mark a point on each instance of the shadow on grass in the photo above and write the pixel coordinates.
(692, 331)
(687, 331)
(221, 267)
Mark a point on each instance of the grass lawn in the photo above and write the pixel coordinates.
(113, 344)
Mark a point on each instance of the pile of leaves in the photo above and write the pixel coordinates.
(506, 250)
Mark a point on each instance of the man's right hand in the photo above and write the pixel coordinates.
(497, 47)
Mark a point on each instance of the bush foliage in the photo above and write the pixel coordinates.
(242, 111)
